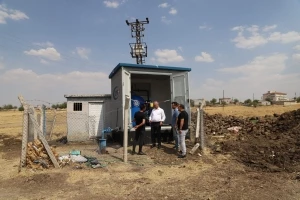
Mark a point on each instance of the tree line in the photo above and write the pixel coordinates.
(11, 107)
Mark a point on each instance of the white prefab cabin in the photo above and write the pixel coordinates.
(164, 84)
(161, 83)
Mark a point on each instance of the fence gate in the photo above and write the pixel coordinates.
(95, 119)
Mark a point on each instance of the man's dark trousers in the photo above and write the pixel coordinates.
(156, 132)
(139, 138)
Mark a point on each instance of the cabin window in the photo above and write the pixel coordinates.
(77, 107)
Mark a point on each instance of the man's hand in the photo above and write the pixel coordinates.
(136, 127)
(179, 131)
(150, 121)
(160, 123)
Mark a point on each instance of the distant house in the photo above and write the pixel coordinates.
(226, 100)
(198, 102)
(264, 103)
(275, 96)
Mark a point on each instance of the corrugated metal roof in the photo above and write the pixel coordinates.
(88, 95)
(116, 69)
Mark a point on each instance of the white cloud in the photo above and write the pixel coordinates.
(173, 11)
(49, 53)
(6, 13)
(205, 27)
(268, 28)
(262, 65)
(36, 86)
(165, 20)
(297, 47)
(250, 42)
(45, 62)
(259, 75)
(83, 52)
(111, 4)
(163, 5)
(1, 65)
(44, 44)
(284, 38)
(204, 57)
(167, 56)
(259, 37)
(296, 56)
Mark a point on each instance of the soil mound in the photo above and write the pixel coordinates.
(271, 143)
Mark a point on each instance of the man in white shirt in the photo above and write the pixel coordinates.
(157, 117)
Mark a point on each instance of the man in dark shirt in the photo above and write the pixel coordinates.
(182, 128)
(140, 119)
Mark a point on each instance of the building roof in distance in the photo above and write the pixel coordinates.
(120, 65)
(274, 92)
(88, 96)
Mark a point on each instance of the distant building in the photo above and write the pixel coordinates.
(198, 102)
(275, 96)
(226, 100)
(264, 103)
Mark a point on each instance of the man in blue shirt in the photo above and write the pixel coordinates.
(174, 123)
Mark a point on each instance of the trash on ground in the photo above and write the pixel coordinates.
(75, 152)
(194, 148)
(235, 129)
(78, 158)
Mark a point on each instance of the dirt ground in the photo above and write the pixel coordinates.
(158, 175)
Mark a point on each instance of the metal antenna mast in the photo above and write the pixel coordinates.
(138, 49)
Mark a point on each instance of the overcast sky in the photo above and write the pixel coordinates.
(54, 47)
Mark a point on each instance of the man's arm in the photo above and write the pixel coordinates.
(150, 117)
(163, 116)
(181, 124)
(141, 124)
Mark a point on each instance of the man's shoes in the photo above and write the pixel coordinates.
(141, 153)
(180, 152)
(181, 156)
(152, 146)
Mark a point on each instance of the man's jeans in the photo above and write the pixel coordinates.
(182, 141)
(175, 136)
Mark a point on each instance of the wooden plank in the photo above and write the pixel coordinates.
(42, 138)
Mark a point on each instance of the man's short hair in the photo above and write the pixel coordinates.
(181, 106)
(175, 103)
(142, 106)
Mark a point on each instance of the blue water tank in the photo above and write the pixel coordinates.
(136, 101)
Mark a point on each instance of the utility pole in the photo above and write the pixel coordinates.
(139, 48)
(223, 100)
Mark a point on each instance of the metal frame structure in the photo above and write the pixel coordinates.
(139, 48)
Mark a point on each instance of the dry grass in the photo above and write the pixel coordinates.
(250, 111)
(11, 123)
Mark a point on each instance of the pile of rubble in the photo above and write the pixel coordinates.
(270, 143)
(37, 156)
(218, 124)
